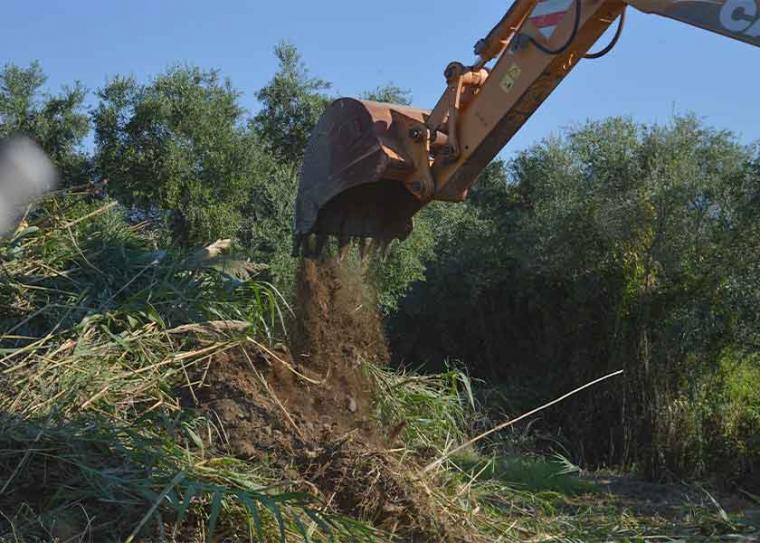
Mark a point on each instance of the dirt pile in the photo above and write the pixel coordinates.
(310, 413)
(318, 387)
(351, 474)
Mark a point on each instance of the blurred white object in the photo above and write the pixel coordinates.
(25, 173)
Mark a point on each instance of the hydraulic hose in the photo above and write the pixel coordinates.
(613, 42)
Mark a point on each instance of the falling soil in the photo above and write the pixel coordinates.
(337, 322)
(308, 410)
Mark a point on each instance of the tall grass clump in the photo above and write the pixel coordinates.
(716, 429)
(428, 412)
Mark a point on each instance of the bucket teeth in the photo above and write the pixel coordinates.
(308, 246)
(298, 241)
(311, 245)
(314, 246)
(363, 248)
(375, 245)
(344, 244)
(319, 244)
(385, 249)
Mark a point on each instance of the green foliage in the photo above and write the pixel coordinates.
(178, 144)
(618, 245)
(440, 235)
(57, 122)
(94, 280)
(182, 145)
(57, 278)
(389, 93)
(292, 103)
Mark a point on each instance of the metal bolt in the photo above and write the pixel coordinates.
(416, 133)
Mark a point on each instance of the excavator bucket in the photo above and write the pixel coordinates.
(355, 177)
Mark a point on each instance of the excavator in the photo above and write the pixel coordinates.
(369, 167)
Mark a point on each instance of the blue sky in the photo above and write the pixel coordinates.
(660, 67)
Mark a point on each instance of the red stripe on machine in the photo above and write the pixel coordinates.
(550, 19)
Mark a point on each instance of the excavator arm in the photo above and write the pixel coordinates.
(369, 167)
